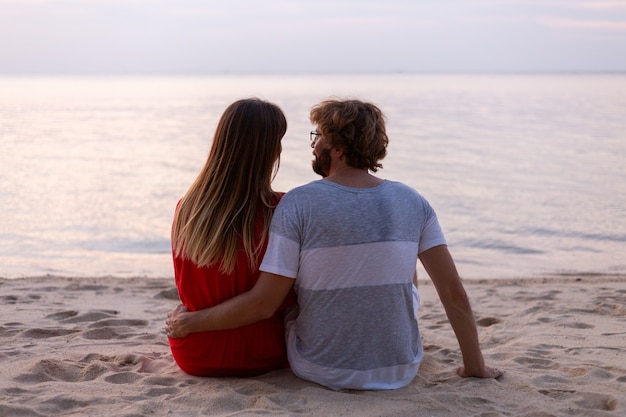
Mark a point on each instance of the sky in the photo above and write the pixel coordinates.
(299, 36)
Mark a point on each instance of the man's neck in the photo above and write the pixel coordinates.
(353, 177)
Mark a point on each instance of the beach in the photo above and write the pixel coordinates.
(97, 347)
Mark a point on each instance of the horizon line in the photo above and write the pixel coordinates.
(309, 73)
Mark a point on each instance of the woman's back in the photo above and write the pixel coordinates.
(249, 350)
(219, 235)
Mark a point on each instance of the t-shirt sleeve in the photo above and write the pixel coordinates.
(431, 234)
(282, 256)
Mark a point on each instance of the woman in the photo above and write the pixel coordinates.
(219, 236)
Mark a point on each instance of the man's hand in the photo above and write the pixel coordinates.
(486, 372)
(175, 323)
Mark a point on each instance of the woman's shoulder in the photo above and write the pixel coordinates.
(276, 197)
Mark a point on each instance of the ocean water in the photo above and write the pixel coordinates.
(526, 172)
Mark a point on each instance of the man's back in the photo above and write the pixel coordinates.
(353, 252)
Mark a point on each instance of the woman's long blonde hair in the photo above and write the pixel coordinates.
(221, 208)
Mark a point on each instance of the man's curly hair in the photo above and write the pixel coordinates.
(356, 127)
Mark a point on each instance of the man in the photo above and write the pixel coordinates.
(349, 243)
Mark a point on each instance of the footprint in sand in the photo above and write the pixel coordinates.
(8, 299)
(103, 325)
(171, 294)
(119, 322)
(548, 382)
(47, 333)
(549, 295)
(545, 320)
(534, 363)
(113, 329)
(265, 396)
(579, 325)
(104, 333)
(53, 370)
(602, 334)
(62, 315)
(93, 315)
(600, 373)
(162, 381)
(558, 394)
(429, 321)
(123, 378)
(595, 401)
(10, 329)
(540, 352)
(14, 299)
(576, 371)
(162, 385)
(488, 321)
(75, 286)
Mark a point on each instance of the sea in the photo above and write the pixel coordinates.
(527, 172)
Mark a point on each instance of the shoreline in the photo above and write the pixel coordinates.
(561, 278)
(96, 346)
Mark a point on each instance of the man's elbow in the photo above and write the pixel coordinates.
(267, 295)
(454, 295)
(262, 311)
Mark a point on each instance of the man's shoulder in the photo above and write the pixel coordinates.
(399, 191)
(311, 187)
(400, 187)
(299, 195)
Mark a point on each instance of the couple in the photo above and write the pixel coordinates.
(345, 247)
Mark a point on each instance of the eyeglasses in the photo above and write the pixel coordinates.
(314, 135)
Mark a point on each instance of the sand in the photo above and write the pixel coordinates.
(96, 347)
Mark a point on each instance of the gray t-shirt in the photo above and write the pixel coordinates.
(353, 253)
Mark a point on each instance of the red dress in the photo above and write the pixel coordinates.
(245, 351)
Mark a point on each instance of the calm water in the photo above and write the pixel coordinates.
(527, 173)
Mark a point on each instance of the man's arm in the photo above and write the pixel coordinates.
(259, 303)
(440, 266)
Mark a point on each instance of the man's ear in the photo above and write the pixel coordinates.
(337, 152)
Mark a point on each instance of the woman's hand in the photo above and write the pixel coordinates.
(175, 325)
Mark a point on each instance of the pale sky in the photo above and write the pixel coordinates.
(261, 36)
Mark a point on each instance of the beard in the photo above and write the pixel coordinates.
(321, 163)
